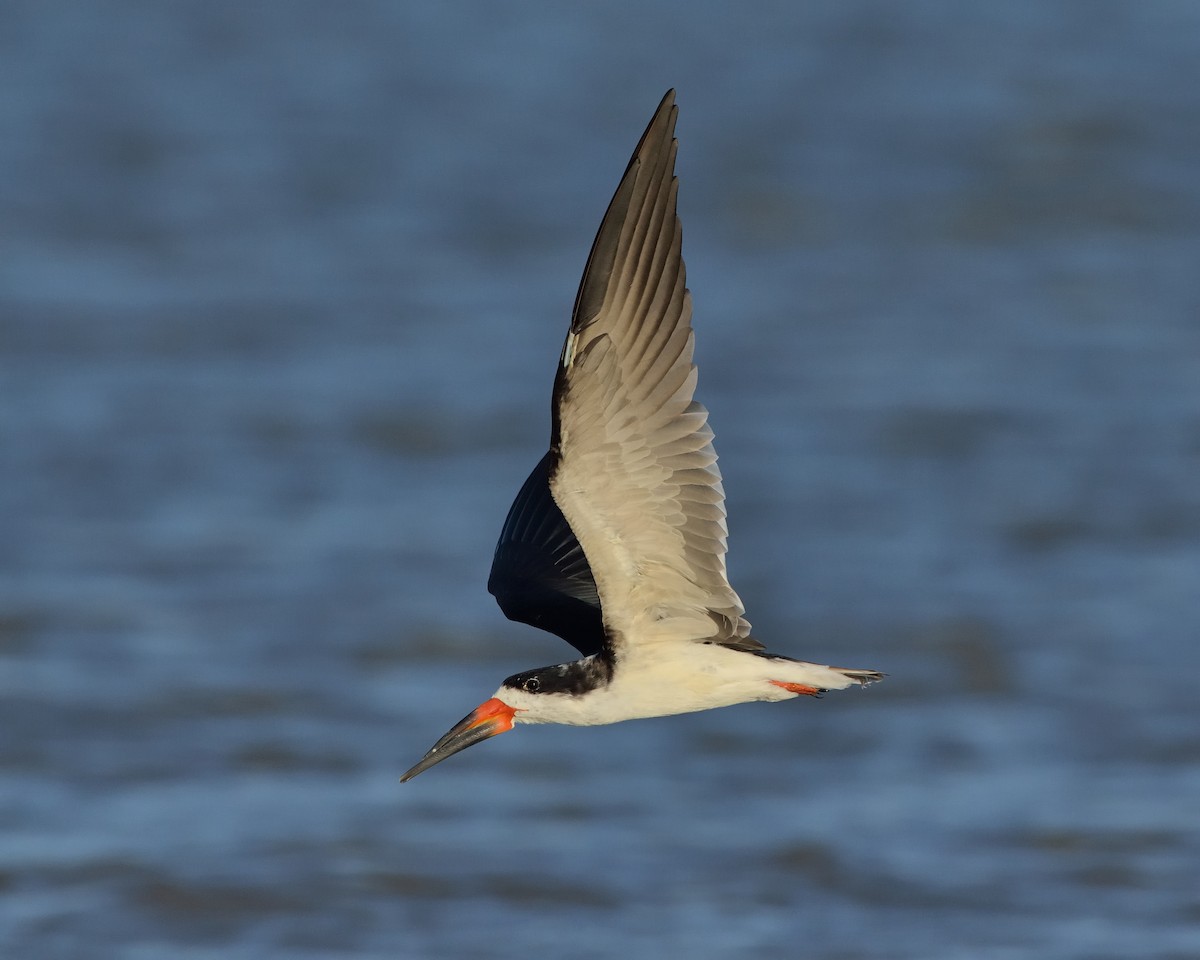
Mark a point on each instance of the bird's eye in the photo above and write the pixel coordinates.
(533, 684)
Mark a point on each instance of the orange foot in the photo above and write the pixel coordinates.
(799, 688)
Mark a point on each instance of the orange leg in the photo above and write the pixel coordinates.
(799, 688)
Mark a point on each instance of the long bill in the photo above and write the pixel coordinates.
(488, 719)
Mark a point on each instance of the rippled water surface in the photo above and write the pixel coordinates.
(281, 291)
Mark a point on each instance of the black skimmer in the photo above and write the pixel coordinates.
(616, 542)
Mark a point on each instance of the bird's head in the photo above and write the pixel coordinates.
(535, 696)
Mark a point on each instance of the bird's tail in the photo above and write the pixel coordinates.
(808, 677)
(861, 677)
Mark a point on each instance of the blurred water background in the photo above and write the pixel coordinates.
(282, 286)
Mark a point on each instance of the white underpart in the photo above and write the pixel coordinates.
(659, 680)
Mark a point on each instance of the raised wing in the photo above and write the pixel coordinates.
(540, 575)
(632, 465)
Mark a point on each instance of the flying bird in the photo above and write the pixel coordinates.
(616, 541)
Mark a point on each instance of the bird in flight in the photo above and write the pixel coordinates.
(616, 541)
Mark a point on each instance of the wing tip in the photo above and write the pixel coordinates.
(658, 136)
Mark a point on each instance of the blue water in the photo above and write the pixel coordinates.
(281, 290)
